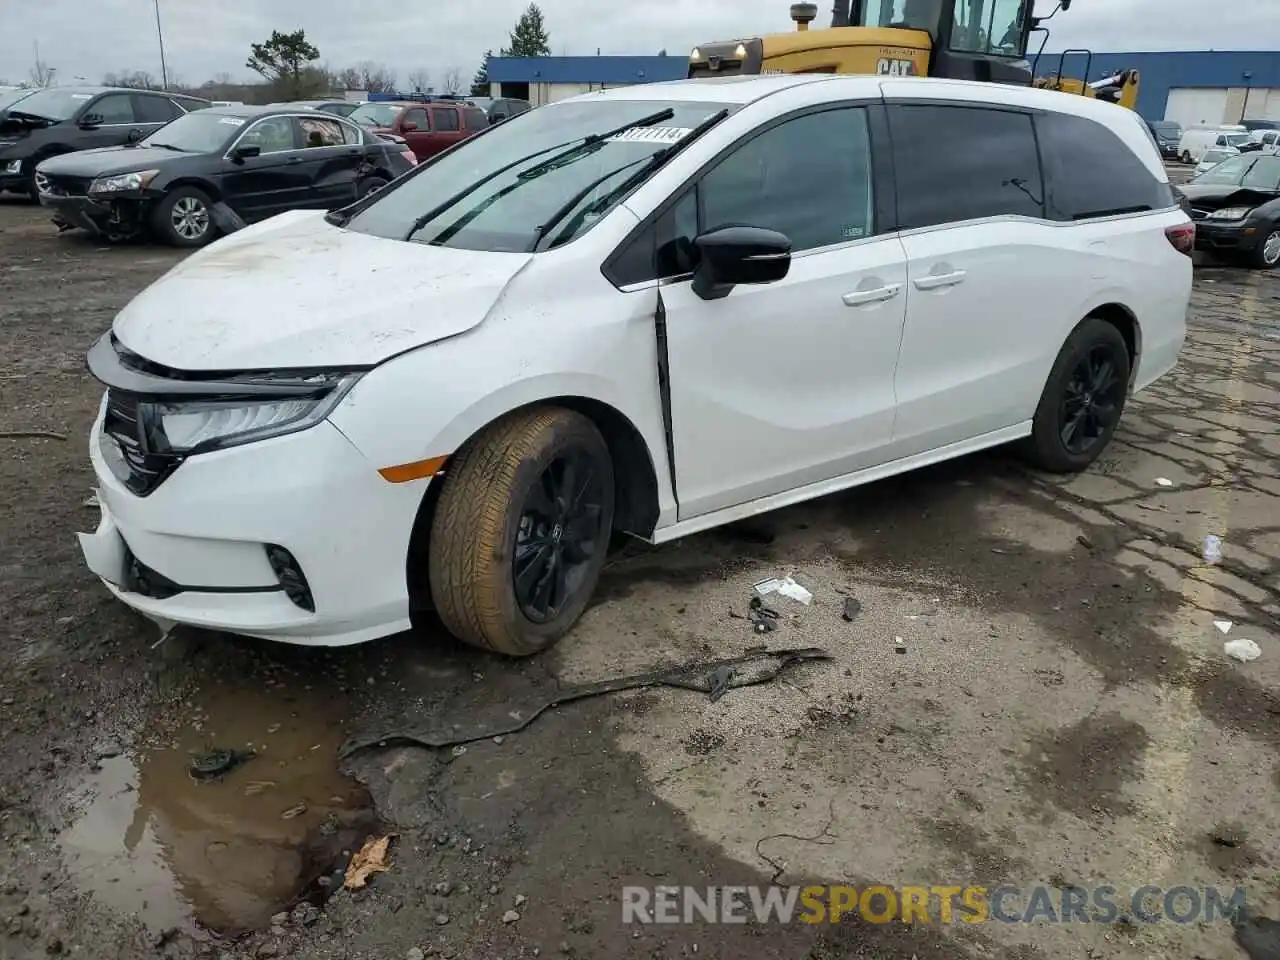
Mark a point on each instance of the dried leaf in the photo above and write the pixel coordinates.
(370, 859)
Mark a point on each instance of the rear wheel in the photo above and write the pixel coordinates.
(1082, 400)
(1186, 156)
(521, 530)
(1267, 254)
(183, 218)
(369, 185)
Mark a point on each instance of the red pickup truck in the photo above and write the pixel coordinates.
(428, 127)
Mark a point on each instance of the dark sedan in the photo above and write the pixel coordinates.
(1236, 208)
(213, 170)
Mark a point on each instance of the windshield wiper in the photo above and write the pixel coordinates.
(574, 146)
(651, 164)
(162, 146)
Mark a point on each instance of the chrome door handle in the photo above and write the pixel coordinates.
(879, 294)
(935, 281)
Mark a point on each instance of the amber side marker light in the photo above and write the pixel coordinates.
(404, 472)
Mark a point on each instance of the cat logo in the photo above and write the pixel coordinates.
(896, 68)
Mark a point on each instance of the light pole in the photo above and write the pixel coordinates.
(164, 71)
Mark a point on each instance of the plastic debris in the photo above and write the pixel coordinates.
(1223, 626)
(1242, 650)
(764, 619)
(785, 586)
(1212, 549)
(899, 645)
(1163, 482)
(852, 607)
(719, 680)
(369, 859)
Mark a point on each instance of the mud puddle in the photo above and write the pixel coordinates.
(222, 854)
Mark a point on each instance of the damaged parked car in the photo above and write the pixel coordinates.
(1236, 208)
(627, 311)
(61, 120)
(213, 171)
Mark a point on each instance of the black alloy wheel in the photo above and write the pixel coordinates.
(1091, 402)
(558, 535)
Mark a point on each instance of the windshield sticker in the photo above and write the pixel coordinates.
(81, 96)
(232, 121)
(650, 134)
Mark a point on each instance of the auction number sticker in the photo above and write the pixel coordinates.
(650, 134)
(232, 121)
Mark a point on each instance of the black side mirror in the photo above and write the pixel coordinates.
(90, 120)
(135, 136)
(732, 255)
(242, 153)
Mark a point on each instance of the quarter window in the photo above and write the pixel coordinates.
(955, 163)
(1075, 151)
(270, 135)
(446, 118)
(808, 178)
(155, 109)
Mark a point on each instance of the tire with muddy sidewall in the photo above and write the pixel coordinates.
(474, 530)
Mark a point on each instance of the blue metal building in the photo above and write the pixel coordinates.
(1191, 87)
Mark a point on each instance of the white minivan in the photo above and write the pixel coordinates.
(654, 309)
(1196, 140)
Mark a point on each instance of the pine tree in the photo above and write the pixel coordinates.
(529, 38)
(480, 82)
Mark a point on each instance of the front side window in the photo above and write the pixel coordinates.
(446, 118)
(988, 26)
(417, 117)
(534, 183)
(808, 178)
(271, 135)
(916, 14)
(113, 108)
(955, 163)
(1074, 150)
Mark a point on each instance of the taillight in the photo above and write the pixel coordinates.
(410, 156)
(1183, 237)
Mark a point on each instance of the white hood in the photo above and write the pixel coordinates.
(295, 291)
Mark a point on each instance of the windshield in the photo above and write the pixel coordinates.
(505, 213)
(1215, 156)
(375, 114)
(1239, 139)
(198, 132)
(1261, 173)
(1167, 131)
(11, 96)
(53, 104)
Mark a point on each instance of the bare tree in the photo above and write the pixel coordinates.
(41, 73)
(348, 78)
(376, 77)
(452, 82)
(420, 80)
(133, 79)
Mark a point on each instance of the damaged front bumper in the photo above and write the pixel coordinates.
(113, 218)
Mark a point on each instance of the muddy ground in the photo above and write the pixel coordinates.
(1059, 710)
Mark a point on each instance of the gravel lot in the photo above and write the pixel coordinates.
(1063, 712)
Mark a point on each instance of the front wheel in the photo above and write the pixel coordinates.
(1082, 400)
(183, 218)
(1267, 253)
(521, 529)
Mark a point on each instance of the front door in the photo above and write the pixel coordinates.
(778, 386)
(415, 127)
(275, 180)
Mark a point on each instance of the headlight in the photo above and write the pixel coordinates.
(13, 166)
(1230, 213)
(195, 426)
(696, 54)
(124, 182)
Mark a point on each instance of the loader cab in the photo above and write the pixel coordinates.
(970, 39)
(962, 39)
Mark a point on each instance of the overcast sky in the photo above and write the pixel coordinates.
(87, 38)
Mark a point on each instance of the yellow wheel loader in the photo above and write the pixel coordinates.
(961, 39)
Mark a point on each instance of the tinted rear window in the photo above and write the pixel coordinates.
(474, 118)
(956, 163)
(1092, 173)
